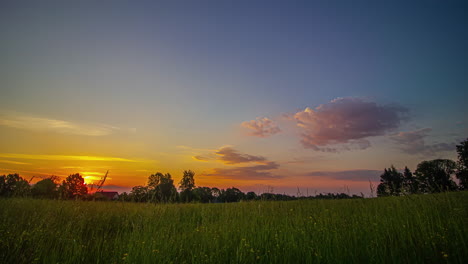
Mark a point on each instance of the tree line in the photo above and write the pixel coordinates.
(429, 177)
(160, 188)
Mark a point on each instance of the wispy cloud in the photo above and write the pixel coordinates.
(41, 124)
(29, 172)
(413, 142)
(63, 157)
(261, 127)
(230, 156)
(257, 172)
(347, 121)
(14, 162)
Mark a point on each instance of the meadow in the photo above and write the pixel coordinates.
(412, 229)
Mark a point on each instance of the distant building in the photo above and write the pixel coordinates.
(110, 195)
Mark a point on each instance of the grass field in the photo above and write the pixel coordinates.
(414, 229)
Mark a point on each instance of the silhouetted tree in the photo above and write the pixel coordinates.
(188, 181)
(154, 180)
(124, 197)
(46, 188)
(164, 191)
(73, 187)
(186, 185)
(391, 182)
(12, 185)
(203, 194)
(231, 195)
(435, 175)
(250, 196)
(139, 194)
(216, 193)
(410, 182)
(462, 170)
(267, 197)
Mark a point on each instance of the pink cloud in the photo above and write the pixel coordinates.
(346, 121)
(261, 127)
(246, 166)
(256, 172)
(231, 156)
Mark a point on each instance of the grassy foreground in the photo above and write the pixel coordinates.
(415, 229)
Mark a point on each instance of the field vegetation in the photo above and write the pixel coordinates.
(426, 228)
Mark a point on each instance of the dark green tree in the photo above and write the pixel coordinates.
(203, 194)
(391, 182)
(46, 188)
(250, 196)
(462, 170)
(186, 185)
(139, 194)
(188, 181)
(124, 197)
(410, 182)
(154, 180)
(161, 188)
(13, 185)
(73, 187)
(436, 175)
(231, 195)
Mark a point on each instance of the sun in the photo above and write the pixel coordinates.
(91, 177)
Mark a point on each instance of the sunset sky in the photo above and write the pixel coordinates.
(260, 95)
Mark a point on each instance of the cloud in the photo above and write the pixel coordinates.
(350, 175)
(257, 172)
(261, 127)
(347, 121)
(14, 162)
(230, 156)
(202, 158)
(63, 157)
(40, 124)
(413, 142)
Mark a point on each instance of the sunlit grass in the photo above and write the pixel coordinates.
(414, 229)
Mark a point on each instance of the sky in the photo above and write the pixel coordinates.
(279, 96)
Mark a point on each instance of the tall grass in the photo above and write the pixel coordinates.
(414, 229)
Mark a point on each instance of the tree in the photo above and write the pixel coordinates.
(410, 183)
(216, 194)
(124, 197)
(139, 194)
(73, 187)
(186, 185)
(435, 175)
(161, 188)
(187, 182)
(46, 188)
(12, 185)
(250, 196)
(462, 170)
(391, 182)
(231, 195)
(154, 180)
(203, 194)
